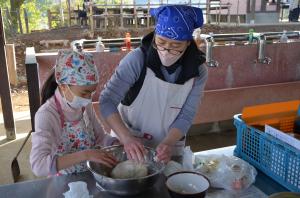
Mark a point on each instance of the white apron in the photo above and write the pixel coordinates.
(155, 109)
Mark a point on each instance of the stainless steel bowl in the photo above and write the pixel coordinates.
(125, 186)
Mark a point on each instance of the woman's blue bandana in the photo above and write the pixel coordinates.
(177, 22)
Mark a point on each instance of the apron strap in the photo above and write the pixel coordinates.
(60, 111)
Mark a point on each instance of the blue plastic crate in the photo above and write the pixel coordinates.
(275, 158)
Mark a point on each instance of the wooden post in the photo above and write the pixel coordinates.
(248, 6)
(278, 5)
(7, 108)
(105, 16)
(263, 6)
(91, 17)
(208, 19)
(135, 14)
(32, 83)
(69, 12)
(253, 5)
(11, 63)
(62, 18)
(49, 19)
(19, 21)
(238, 14)
(121, 15)
(219, 14)
(228, 14)
(148, 15)
(26, 21)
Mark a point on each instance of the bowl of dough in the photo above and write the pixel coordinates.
(127, 177)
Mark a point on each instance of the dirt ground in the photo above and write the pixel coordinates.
(19, 92)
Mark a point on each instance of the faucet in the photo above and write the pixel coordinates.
(209, 41)
(261, 50)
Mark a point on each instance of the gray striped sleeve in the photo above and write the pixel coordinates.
(186, 116)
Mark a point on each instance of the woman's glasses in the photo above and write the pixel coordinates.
(161, 48)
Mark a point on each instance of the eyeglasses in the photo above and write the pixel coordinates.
(161, 48)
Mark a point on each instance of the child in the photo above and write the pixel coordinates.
(66, 127)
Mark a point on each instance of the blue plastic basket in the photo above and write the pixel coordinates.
(275, 158)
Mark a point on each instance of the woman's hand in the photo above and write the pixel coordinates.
(101, 157)
(165, 148)
(134, 148)
(164, 152)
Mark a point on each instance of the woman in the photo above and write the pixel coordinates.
(154, 93)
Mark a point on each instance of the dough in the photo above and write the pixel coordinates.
(129, 169)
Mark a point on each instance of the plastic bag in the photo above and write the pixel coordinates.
(228, 172)
(172, 167)
(188, 159)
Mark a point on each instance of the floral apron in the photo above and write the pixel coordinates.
(77, 136)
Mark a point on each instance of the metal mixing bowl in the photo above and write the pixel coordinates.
(126, 186)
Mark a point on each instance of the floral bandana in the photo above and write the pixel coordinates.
(75, 68)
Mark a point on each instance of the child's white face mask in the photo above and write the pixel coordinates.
(78, 102)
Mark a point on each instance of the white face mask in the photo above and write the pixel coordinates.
(168, 59)
(78, 102)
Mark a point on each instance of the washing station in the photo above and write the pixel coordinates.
(241, 73)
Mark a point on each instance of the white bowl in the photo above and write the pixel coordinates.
(187, 184)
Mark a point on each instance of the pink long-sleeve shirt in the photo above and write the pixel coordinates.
(48, 132)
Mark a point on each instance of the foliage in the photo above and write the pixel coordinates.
(37, 12)
(4, 3)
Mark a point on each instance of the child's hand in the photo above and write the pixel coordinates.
(101, 157)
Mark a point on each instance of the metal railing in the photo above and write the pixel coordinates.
(110, 44)
(211, 41)
(261, 39)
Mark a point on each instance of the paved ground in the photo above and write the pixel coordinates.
(8, 149)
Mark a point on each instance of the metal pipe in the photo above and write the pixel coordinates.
(209, 41)
(261, 50)
(244, 36)
(277, 35)
(261, 47)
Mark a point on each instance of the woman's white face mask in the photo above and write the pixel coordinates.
(77, 101)
(165, 46)
(168, 59)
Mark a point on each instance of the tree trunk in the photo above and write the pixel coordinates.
(14, 6)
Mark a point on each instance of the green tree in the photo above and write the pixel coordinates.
(15, 6)
(4, 3)
(36, 12)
